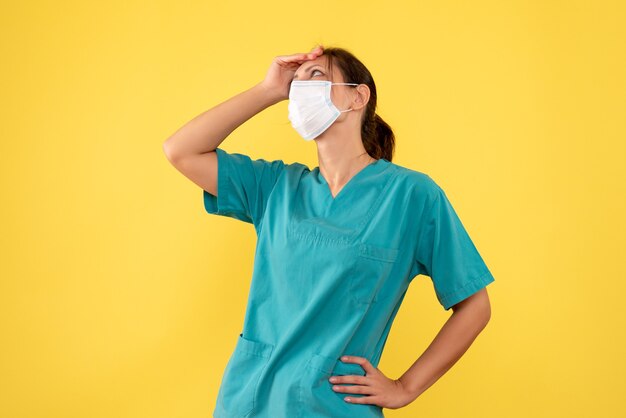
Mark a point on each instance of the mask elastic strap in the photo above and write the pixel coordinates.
(346, 84)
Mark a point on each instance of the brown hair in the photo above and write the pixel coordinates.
(378, 138)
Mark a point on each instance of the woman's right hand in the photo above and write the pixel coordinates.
(281, 71)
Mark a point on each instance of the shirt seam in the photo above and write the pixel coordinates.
(449, 296)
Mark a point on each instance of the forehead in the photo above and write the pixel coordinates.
(321, 61)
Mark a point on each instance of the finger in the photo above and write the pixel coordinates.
(292, 57)
(368, 367)
(316, 52)
(299, 57)
(349, 378)
(362, 361)
(371, 400)
(361, 390)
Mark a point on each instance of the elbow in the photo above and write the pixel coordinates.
(483, 308)
(483, 312)
(169, 151)
(487, 314)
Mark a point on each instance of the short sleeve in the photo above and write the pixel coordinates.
(446, 253)
(243, 186)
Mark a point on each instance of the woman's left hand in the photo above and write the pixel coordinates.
(382, 391)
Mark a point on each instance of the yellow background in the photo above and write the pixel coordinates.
(120, 297)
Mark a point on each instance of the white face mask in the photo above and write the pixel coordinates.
(311, 111)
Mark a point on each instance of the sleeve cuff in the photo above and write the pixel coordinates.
(452, 298)
(221, 204)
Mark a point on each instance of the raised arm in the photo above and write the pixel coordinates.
(191, 149)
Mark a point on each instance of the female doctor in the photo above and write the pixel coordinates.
(337, 247)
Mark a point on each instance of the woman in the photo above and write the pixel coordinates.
(337, 248)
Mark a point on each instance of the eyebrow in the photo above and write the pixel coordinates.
(309, 68)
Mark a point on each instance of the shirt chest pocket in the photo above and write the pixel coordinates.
(372, 268)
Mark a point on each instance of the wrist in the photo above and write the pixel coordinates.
(268, 96)
(411, 387)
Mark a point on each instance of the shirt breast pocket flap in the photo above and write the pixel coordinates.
(378, 253)
(374, 263)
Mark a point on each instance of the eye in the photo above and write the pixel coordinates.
(316, 71)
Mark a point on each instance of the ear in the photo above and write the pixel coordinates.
(362, 96)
